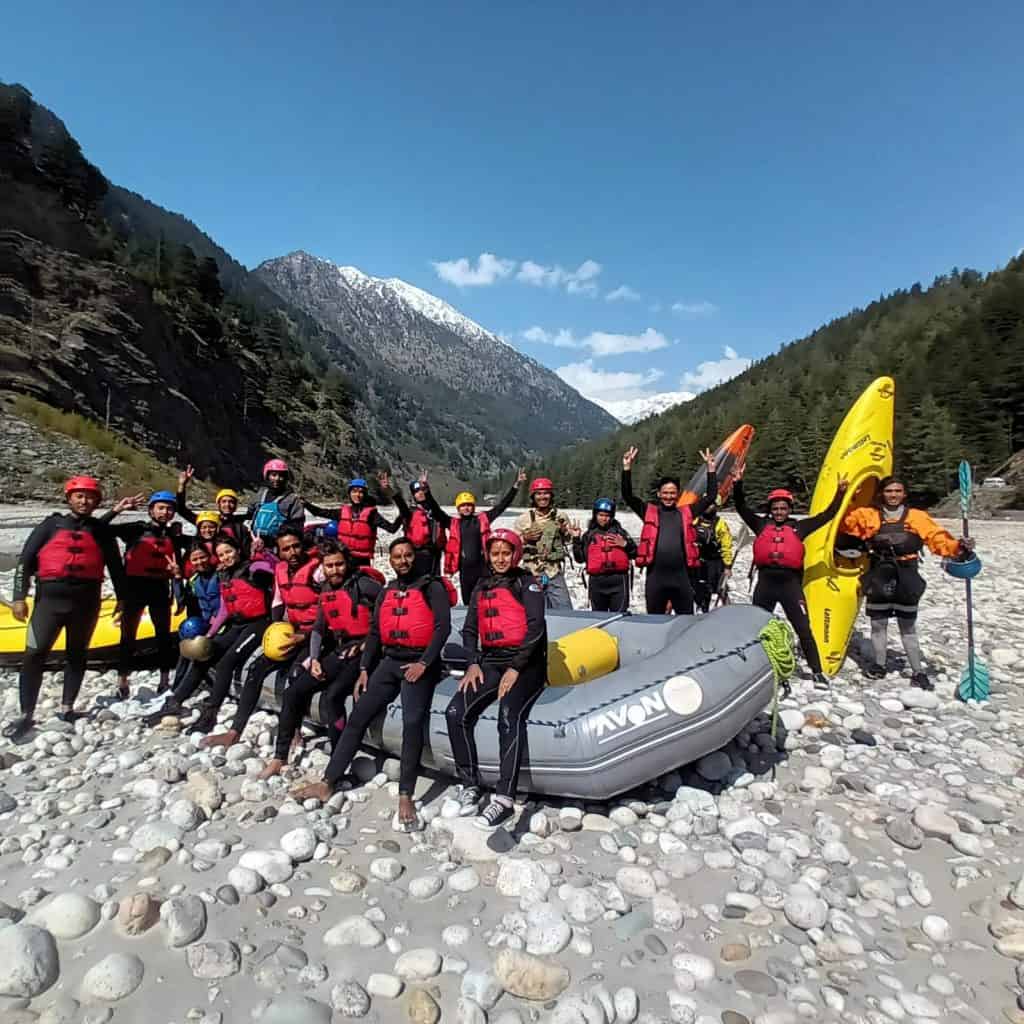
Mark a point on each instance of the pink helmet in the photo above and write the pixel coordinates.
(509, 537)
(542, 483)
(275, 466)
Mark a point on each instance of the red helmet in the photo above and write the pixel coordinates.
(275, 466)
(509, 537)
(83, 483)
(780, 494)
(542, 483)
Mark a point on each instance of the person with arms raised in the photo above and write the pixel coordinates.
(668, 540)
(347, 597)
(409, 628)
(296, 601)
(67, 554)
(359, 519)
(895, 534)
(779, 559)
(505, 636)
(231, 521)
(467, 536)
(606, 550)
(425, 526)
(546, 534)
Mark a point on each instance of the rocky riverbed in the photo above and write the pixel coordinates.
(862, 867)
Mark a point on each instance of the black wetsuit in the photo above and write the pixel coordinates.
(530, 659)
(706, 578)
(61, 603)
(778, 585)
(146, 592)
(387, 681)
(668, 579)
(472, 561)
(428, 557)
(607, 591)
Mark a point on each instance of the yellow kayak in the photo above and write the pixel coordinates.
(862, 452)
(102, 647)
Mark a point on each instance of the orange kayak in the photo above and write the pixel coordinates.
(729, 457)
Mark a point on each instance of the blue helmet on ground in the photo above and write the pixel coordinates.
(966, 567)
(192, 627)
(167, 496)
(330, 530)
(357, 482)
(605, 505)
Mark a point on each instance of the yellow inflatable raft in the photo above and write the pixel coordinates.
(862, 452)
(102, 647)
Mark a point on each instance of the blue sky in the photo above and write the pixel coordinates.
(630, 192)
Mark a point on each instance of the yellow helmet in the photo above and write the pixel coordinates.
(464, 498)
(208, 517)
(277, 641)
(226, 492)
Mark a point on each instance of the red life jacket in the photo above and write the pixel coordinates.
(244, 601)
(500, 616)
(70, 555)
(649, 535)
(778, 546)
(355, 532)
(603, 558)
(453, 549)
(423, 532)
(346, 610)
(298, 592)
(147, 557)
(406, 618)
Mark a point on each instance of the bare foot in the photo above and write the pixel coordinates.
(313, 791)
(220, 739)
(274, 766)
(407, 814)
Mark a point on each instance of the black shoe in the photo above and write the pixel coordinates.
(70, 716)
(494, 815)
(19, 728)
(822, 681)
(204, 723)
(921, 681)
(875, 671)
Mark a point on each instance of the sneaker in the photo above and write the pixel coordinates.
(494, 815)
(821, 681)
(921, 681)
(19, 728)
(205, 722)
(875, 671)
(469, 798)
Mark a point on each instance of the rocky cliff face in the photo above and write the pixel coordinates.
(443, 357)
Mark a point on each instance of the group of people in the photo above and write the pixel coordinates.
(348, 633)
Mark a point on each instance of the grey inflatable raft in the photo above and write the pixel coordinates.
(684, 687)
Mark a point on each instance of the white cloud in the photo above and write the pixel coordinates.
(461, 272)
(622, 294)
(694, 308)
(713, 372)
(580, 281)
(600, 343)
(607, 385)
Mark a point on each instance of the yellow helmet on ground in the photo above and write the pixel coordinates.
(277, 641)
(208, 517)
(465, 498)
(227, 492)
(196, 648)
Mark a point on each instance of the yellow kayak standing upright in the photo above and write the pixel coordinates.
(862, 452)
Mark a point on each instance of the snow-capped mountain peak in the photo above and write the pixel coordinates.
(632, 410)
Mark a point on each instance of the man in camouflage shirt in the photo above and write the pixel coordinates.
(546, 539)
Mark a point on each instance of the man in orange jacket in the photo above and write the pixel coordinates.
(894, 536)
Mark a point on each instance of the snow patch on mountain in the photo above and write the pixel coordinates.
(633, 410)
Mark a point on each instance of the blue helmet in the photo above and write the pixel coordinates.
(330, 530)
(167, 496)
(605, 505)
(965, 567)
(357, 482)
(192, 627)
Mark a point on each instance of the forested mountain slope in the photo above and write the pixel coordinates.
(956, 350)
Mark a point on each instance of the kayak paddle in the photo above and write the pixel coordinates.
(974, 681)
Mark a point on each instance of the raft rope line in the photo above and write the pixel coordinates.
(738, 651)
(777, 639)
